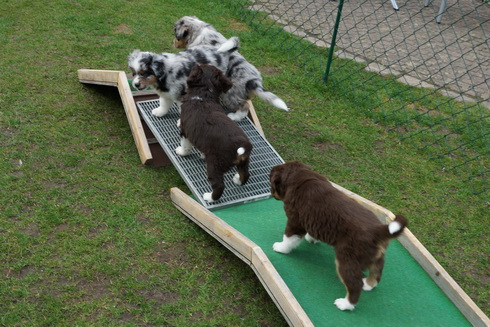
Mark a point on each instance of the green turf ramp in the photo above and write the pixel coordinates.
(406, 295)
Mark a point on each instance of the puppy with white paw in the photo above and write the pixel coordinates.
(205, 125)
(167, 72)
(317, 211)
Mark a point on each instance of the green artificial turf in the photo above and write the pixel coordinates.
(406, 295)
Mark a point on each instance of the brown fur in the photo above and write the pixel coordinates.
(210, 130)
(314, 206)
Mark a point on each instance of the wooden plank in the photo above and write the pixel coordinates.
(99, 77)
(254, 118)
(438, 274)
(133, 118)
(224, 233)
(118, 79)
(278, 290)
(246, 250)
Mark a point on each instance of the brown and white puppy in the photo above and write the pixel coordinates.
(317, 210)
(191, 32)
(205, 125)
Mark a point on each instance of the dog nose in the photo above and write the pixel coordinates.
(136, 84)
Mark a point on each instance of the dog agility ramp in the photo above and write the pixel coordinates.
(192, 167)
(415, 289)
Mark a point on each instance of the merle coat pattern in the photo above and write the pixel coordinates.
(205, 125)
(167, 72)
(318, 211)
(191, 32)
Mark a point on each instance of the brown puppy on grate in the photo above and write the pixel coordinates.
(204, 124)
(316, 210)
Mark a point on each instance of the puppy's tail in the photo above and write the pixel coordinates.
(395, 228)
(256, 87)
(231, 45)
(243, 152)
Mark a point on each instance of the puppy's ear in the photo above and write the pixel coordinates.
(195, 76)
(132, 56)
(182, 32)
(221, 82)
(276, 183)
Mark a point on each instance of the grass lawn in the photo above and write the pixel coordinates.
(88, 236)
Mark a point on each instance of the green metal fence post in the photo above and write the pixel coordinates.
(334, 38)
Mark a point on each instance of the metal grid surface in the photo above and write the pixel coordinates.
(193, 169)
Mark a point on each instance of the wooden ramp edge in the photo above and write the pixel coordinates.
(118, 79)
(246, 250)
(253, 255)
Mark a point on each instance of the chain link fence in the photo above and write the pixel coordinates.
(421, 68)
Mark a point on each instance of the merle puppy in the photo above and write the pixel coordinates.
(317, 210)
(191, 32)
(205, 125)
(167, 72)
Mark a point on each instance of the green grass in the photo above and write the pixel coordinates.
(88, 236)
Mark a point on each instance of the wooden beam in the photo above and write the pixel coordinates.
(246, 250)
(133, 119)
(254, 118)
(119, 80)
(99, 77)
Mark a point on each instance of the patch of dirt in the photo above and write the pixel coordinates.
(237, 25)
(123, 29)
(268, 70)
(171, 254)
(327, 147)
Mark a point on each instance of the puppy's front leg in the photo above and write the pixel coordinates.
(164, 107)
(288, 243)
(185, 147)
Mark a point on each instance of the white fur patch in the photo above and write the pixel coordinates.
(208, 197)
(240, 151)
(394, 227)
(366, 286)
(287, 244)
(238, 115)
(311, 239)
(236, 179)
(231, 43)
(344, 304)
(280, 104)
(159, 112)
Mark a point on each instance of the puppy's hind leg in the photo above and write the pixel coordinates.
(185, 147)
(242, 175)
(375, 272)
(241, 110)
(351, 276)
(217, 182)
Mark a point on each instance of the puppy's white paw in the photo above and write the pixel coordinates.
(366, 286)
(181, 151)
(236, 179)
(208, 197)
(178, 122)
(281, 247)
(202, 155)
(311, 239)
(344, 304)
(159, 112)
(237, 116)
